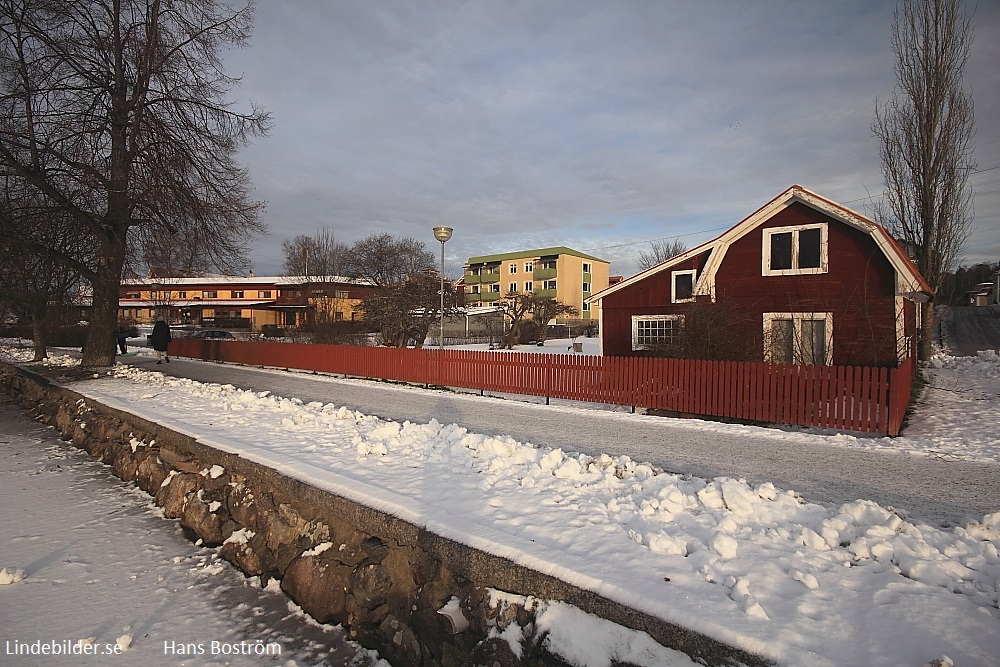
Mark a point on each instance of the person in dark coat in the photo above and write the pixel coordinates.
(121, 337)
(160, 340)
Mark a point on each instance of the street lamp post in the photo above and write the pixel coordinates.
(442, 234)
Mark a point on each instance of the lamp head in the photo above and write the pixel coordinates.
(442, 234)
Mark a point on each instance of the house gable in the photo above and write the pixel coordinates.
(799, 267)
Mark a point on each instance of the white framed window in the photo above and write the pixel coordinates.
(682, 286)
(529, 287)
(795, 250)
(210, 294)
(586, 306)
(549, 284)
(529, 267)
(511, 288)
(237, 294)
(652, 331)
(475, 289)
(798, 338)
(182, 295)
(264, 294)
(586, 267)
(495, 287)
(513, 268)
(586, 287)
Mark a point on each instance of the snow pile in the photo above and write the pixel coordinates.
(754, 566)
(10, 576)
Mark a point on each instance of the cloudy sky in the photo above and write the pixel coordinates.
(598, 125)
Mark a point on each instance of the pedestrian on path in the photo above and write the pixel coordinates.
(122, 339)
(161, 340)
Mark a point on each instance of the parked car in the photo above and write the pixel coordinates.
(213, 334)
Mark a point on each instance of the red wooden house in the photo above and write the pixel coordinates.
(801, 280)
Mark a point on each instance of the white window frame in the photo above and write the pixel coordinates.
(673, 285)
(824, 247)
(586, 288)
(529, 267)
(587, 267)
(495, 288)
(512, 267)
(797, 319)
(549, 284)
(636, 346)
(529, 287)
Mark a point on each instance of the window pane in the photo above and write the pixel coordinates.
(683, 286)
(781, 341)
(813, 342)
(809, 248)
(781, 251)
(650, 333)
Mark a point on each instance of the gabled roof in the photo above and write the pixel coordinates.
(909, 282)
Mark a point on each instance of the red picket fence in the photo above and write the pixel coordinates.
(851, 398)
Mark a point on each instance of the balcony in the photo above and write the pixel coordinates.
(545, 293)
(543, 274)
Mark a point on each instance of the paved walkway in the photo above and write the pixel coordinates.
(922, 488)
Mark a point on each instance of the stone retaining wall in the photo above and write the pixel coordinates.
(418, 599)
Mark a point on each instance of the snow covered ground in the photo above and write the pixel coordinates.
(754, 566)
(90, 568)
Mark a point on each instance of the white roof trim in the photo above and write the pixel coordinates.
(908, 280)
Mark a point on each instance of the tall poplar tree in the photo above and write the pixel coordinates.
(925, 133)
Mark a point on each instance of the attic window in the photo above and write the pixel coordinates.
(794, 250)
(682, 286)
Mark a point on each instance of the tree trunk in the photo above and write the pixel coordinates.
(926, 344)
(100, 347)
(39, 339)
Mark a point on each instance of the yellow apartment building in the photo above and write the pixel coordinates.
(565, 274)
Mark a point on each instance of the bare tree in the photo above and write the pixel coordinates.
(34, 287)
(544, 310)
(406, 313)
(515, 306)
(316, 257)
(660, 251)
(407, 299)
(387, 261)
(925, 133)
(115, 112)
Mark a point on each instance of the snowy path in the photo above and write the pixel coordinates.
(936, 489)
(100, 563)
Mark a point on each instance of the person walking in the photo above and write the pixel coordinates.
(121, 337)
(161, 339)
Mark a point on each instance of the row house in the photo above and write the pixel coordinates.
(567, 275)
(236, 302)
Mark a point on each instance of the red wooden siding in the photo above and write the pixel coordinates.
(859, 289)
(850, 398)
